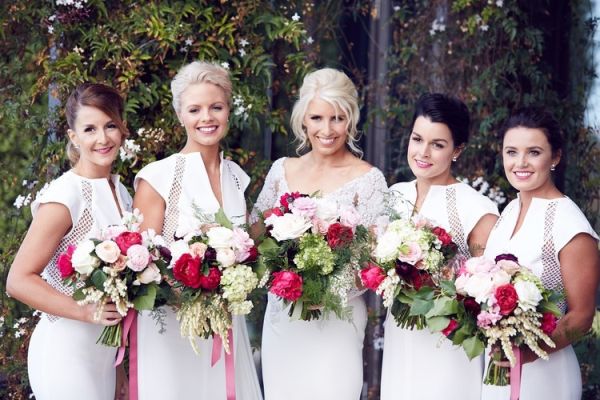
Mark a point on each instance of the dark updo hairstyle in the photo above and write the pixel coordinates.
(97, 95)
(536, 118)
(447, 110)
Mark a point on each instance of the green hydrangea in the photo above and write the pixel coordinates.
(314, 252)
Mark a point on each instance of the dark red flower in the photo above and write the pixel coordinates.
(372, 276)
(212, 280)
(210, 254)
(287, 198)
(339, 235)
(63, 263)
(444, 236)
(187, 270)
(287, 285)
(549, 321)
(452, 325)
(127, 239)
(272, 211)
(506, 256)
(252, 255)
(507, 298)
(471, 306)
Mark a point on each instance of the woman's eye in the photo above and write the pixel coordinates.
(193, 110)
(416, 139)
(217, 108)
(88, 129)
(315, 118)
(438, 146)
(534, 152)
(511, 152)
(111, 126)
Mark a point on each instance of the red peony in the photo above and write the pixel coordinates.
(287, 285)
(452, 325)
(187, 270)
(288, 198)
(548, 323)
(472, 306)
(339, 235)
(372, 276)
(127, 239)
(444, 236)
(273, 211)
(212, 280)
(507, 298)
(63, 263)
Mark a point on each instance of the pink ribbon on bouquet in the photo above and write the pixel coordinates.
(515, 375)
(130, 332)
(229, 362)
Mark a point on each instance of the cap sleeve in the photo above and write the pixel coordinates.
(159, 175)
(478, 205)
(571, 221)
(65, 190)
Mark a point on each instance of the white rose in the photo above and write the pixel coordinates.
(226, 257)
(529, 295)
(460, 284)
(220, 237)
(289, 226)
(177, 249)
(150, 274)
(479, 286)
(327, 210)
(82, 261)
(108, 251)
(387, 246)
(500, 278)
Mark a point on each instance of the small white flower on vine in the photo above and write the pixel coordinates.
(310, 40)
(189, 42)
(242, 52)
(295, 17)
(484, 27)
(500, 3)
(244, 42)
(225, 64)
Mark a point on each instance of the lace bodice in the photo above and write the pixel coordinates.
(548, 226)
(92, 208)
(456, 208)
(365, 192)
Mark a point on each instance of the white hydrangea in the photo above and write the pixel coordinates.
(237, 282)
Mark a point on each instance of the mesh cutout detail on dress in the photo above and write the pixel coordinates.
(551, 277)
(172, 212)
(506, 211)
(78, 233)
(455, 224)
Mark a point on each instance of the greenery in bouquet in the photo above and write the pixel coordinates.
(212, 269)
(500, 304)
(122, 266)
(413, 260)
(311, 255)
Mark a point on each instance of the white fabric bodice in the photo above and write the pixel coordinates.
(182, 181)
(548, 226)
(365, 192)
(456, 208)
(92, 208)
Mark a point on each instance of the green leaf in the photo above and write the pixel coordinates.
(461, 334)
(221, 219)
(268, 247)
(443, 306)
(98, 277)
(437, 324)
(473, 347)
(448, 288)
(146, 301)
(549, 306)
(420, 306)
(78, 295)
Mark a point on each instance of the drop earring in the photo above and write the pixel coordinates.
(552, 167)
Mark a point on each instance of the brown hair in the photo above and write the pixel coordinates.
(97, 95)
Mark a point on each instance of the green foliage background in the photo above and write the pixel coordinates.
(495, 55)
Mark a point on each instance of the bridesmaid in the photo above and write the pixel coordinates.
(320, 359)
(416, 363)
(548, 233)
(166, 193)
(64, 361)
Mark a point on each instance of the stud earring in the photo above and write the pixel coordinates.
(454, 159)
(552, 167)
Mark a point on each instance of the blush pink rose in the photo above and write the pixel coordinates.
(413, 254)
(138, 257)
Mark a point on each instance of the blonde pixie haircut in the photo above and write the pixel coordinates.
(199, 72)
(337, 89)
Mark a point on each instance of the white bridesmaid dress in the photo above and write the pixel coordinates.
(548, 226)
(418, 364)
(168, 368)
(64, 361)
(319, 359)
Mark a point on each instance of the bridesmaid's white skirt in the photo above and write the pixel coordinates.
(425, 366)
(312, 360)
(169, 368)
(65, 363)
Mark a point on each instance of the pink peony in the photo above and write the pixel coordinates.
(479, 264)
(127, 239)
(304, 206)
(372, 276)
(549, 321)
(242, 243)
(350, 217)
(64, 262)
(287, 285)
(411, 254)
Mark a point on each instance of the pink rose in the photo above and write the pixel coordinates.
(549, 321)
(304, 206)
(412, 254)
(372, 276)
(350, 217)
(63, 263)
(138, 257)
(479, 264)
(242, 243)
(486, 318)
(197, 249)
(287, 285)
(320, 226)
(127, 239)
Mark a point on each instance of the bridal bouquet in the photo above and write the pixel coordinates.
(122, 266)
(211, 267)
(311, 254)
(413, 260)
(501, 303)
